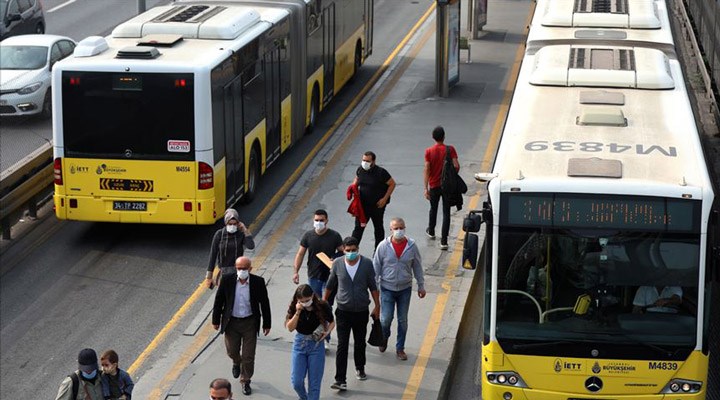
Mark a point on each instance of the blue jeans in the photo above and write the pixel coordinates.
(318, 286)
(308, 358)
(388, 300)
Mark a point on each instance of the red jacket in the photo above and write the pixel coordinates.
(355, 208)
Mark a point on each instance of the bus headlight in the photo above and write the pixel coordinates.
(683, 386)
(505, 378)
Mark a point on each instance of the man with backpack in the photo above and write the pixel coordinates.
(83, 384)
(435, 157)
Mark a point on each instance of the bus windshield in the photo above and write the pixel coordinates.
(144, 116)
(584, 285)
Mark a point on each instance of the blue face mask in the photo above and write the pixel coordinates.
(351, 255)
(90, 375)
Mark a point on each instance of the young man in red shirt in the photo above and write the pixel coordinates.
(434, 159)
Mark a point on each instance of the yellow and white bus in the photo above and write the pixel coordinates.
(601, 219)
(177, 114)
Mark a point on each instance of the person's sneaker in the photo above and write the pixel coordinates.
(341, 386)
(247, 391)
(430, 233)
(360, 374)
(236, 371)
(443, 246)
(401, 355)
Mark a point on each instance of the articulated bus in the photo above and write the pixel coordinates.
(601, 220)
(177, 114)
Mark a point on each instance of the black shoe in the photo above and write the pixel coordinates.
(247, 391)
(383, 346)
(360, 374)
(429, 233)
(236, 371)
(341, 386)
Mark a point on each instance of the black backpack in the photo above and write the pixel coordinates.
(75, 384)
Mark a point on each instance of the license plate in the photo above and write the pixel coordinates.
(129, 206)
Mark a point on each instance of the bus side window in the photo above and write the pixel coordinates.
(253, 98)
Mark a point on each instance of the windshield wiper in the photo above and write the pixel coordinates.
(632, 340)
(540, 344)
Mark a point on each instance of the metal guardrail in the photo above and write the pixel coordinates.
(21, 185)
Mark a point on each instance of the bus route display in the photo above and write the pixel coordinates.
(600, 211)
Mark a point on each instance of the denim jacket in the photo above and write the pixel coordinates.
(124, 380)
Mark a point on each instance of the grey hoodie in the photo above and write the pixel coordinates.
(395, 273)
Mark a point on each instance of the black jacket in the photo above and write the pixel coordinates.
(225, 299)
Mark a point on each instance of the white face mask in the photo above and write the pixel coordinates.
(399, 233)
(243, 274)
(365, 165)
(231, 228)
(306, 304)
(319, 225)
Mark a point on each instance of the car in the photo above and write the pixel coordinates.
(25, 65)
(20, 17)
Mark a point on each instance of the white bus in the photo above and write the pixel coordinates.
(176, 115)
(600, 216)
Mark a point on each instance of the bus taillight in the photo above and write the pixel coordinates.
(205, 176)
(57, 171)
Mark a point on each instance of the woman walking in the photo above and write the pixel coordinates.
(228, 244)
(312, 320)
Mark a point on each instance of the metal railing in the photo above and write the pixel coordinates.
(23, 185)
(704, 19)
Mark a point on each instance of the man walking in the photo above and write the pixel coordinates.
(396, 260)
(353, 277)
(85, 382)
(434, 158)
(320, 239)
(240, 302)
(375, 186)
(220, 389)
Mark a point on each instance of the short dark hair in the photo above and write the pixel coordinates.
(350, 241)
(370, 154)
(438, 133)
(110, 355)
(221, 383)
(320, 211)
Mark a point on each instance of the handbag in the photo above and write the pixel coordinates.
(376, 336)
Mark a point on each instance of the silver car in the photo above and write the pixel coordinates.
(25, 64)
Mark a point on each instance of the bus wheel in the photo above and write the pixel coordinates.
(253, 176)
(358, 60)
(314, 110)
(47, 105)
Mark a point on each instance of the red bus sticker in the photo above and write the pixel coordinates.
(178, 146)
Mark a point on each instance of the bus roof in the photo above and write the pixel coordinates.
(207, 32)
(600, 134)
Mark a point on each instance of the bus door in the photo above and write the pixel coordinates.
(234, 145)
(328, 18)
(368, 20)
(272, 104)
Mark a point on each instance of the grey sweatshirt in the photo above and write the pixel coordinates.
(395, 273)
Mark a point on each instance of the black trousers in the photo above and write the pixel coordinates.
(374, 214)
(435, 195)
(347, 321)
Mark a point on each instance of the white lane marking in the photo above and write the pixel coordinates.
(67, 3)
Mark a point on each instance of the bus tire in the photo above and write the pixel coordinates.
(253, 176)
(358, 60)
(46, 111)
(314, 111)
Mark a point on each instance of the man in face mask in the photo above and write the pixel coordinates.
(375, 186)
(320, 239)
(353, 278)
(240, 303)
(396, 260)
(83, 384)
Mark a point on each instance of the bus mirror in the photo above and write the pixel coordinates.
(472, 221)
(470, 251)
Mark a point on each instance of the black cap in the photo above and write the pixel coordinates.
(87, 360)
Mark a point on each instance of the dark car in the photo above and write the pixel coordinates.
(21, 16)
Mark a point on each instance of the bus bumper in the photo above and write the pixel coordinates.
(496, 392)
(156, 211)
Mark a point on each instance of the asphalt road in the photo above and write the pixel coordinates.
(70, 285)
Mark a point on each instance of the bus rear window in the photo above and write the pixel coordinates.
(147, 116)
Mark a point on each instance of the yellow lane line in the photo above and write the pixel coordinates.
(202, 336)
(416, 375)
